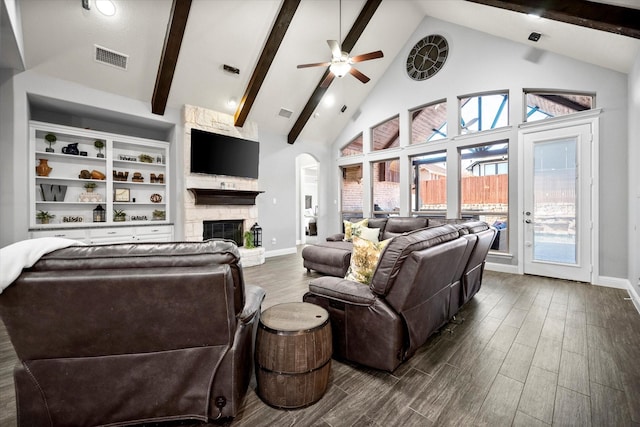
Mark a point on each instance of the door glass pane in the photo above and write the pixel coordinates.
(386, 188)
(351, 191)
(429, 186)
(352, 148)
(544, 104)
(386, 135)
(484, 187)
(554, 206)
(429, 123)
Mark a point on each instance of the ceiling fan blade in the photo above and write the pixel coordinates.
(367, 56)
(358, 75)
(327, 80)
(335, 48)
(317, 64)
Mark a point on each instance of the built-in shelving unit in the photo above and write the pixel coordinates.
(128, 174)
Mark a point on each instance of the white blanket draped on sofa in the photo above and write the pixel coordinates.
(24, 254)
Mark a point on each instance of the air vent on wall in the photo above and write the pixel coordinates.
(111, 57)
(285, 113)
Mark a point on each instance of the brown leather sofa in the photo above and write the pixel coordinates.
(422, 279)
(130, 333)
(333, 256)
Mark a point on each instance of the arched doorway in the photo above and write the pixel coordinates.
(307, 184)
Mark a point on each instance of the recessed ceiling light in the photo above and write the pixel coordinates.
(232, 103)
(106, 7)
(329, 100)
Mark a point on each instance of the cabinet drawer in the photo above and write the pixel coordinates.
(154, 230)
(67, 234)
(112, 235)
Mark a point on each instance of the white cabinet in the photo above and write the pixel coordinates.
(102, 235)
(121, 174)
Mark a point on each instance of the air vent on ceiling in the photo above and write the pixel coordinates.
(285, 113)
(111, 57)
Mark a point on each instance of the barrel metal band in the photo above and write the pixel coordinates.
(295, 373)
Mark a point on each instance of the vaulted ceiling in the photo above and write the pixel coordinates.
(177, 49)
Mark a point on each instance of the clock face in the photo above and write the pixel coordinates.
(427, 57)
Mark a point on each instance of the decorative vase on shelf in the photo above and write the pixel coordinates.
(43, 168)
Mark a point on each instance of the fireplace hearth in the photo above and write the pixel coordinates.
(226, 229)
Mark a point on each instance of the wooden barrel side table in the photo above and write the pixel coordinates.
(293, 354)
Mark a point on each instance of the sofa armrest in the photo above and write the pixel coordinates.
(335, 237)
(253, 300)
(343, 290)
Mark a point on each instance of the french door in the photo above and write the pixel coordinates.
(557, 214)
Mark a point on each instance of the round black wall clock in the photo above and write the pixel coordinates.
(427, 57)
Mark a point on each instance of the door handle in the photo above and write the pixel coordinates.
(528, 221)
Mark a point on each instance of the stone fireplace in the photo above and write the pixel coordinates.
(214, 198)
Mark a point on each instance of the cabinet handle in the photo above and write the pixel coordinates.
(155, 231)
(111, 232)
(59, 235)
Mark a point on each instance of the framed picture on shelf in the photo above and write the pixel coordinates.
(121, 195)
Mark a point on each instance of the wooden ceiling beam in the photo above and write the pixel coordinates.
(598, 16)
(347, 45)
(170, 51)
(278, 31)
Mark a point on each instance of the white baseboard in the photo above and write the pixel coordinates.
(635, 297)
(612, 282)
(278, 252)
(501, 268)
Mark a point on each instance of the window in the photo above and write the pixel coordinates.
(386, 187)
(386, 135)
(429, 187)
(544, 104)
(484, 186)
(429, 123)
(484, 112)
(351, 191)
(352, 148)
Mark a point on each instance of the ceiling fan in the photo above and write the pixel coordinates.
(341, 63)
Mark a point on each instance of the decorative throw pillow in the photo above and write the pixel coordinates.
(351, 227)
(364, 259)
(370, 234)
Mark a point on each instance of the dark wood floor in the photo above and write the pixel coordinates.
(531, 352)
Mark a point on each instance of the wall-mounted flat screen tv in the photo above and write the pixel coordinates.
(216, 154)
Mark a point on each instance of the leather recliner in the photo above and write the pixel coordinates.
(130, 333)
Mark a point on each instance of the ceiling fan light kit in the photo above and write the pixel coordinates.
(341, 67)
(341, 63)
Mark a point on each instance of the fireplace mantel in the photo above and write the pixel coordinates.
(211, 196)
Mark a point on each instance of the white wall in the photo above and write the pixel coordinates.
(7, 211)
(278, 181)
(12, 45)
(634, 177)
(479, 62)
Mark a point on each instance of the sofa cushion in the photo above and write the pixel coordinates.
(402, 246)
(395, 226)
(370, 234)
(364, 259)
(351, 227)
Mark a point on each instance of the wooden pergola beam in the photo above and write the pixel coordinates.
(170, 51)
(347, 45)
(278, 31)
(598, 16)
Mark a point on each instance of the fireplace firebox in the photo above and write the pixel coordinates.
(227, 229)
